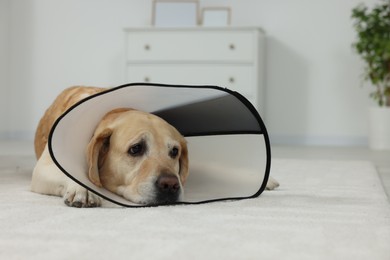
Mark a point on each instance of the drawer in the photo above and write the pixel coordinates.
(191, 46)
(237, 78)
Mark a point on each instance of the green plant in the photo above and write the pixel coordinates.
(373, 45)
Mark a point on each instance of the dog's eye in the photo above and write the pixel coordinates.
(174, 152)
(137, 149)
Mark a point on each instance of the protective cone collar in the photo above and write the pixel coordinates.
(229, 149)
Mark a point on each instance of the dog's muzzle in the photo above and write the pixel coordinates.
(167, 189)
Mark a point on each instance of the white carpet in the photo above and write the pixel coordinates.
(322, 210)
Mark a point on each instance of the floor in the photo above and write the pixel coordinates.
(381, 159)
(20, 154)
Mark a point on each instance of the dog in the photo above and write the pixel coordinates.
(133, 154)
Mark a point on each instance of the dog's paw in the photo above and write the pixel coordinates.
(272, 184)
(79, 197)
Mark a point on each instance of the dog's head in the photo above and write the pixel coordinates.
(138, 156)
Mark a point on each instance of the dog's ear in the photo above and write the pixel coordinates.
(100, 144)
(183, 161)
(97, 151)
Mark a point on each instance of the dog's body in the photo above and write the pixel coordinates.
(134, 154)
(47, 178)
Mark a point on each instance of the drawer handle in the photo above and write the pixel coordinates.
(232, 46)
(231, 80)
(147, 47)
(146, 79)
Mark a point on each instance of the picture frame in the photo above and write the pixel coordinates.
(175, 13)
(216, 16)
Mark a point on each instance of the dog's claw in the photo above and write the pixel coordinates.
(76, 204)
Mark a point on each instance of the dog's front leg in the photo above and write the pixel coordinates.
(48, 179)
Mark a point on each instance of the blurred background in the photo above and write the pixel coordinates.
(314, 94)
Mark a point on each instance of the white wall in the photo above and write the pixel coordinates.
(56, 44)
(4, 25)
(313, 77)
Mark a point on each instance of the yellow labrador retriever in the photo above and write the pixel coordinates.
(134, 154)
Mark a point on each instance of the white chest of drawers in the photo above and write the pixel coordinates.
(230, 57)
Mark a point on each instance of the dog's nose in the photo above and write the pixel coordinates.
(168, 188)
(167, 183)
